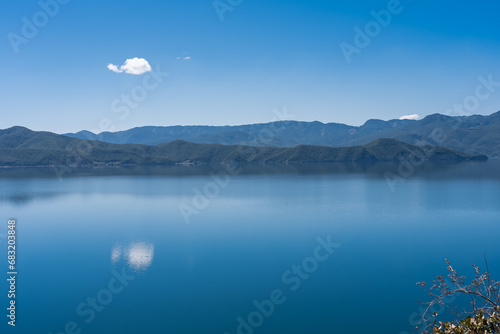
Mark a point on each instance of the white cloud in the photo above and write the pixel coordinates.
(412, 117)
(135, 66)
(114, 68)
(183, 58)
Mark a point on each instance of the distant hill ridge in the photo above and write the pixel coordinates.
(475, 134)
(22, 147)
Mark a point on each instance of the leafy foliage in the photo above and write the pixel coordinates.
(478, 323)
(483, 316)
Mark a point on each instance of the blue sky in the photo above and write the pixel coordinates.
(264, 55)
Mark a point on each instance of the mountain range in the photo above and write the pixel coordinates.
(474, 134)
(22, 147)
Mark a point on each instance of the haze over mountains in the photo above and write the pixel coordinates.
(474, 134)
(22, 147)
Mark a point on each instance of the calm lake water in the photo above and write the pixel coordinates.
(113, 252)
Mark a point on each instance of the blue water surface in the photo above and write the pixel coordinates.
(210, 266)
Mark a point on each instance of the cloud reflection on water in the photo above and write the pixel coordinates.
(138, 255)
